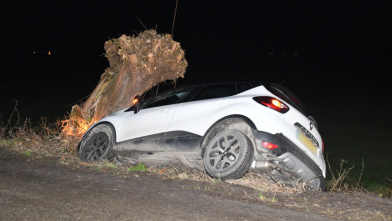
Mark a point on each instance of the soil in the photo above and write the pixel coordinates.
(45, 189)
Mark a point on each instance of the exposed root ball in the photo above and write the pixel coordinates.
(136, 65)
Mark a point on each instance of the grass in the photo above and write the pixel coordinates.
(44, 139)
(265, 198)
(139, 167)
(26, 153)
(8, 143)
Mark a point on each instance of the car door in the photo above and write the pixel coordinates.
(152, 120)
(207, 106)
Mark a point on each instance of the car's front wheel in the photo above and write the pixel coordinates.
(228, 155)
(98, 144)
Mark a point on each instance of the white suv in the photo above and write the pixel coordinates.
(226, 128)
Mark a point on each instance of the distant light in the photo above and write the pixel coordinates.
(282, 53)
(33, 52)
(49, 53)
(295, 54)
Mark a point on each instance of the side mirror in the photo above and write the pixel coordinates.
(138, 102)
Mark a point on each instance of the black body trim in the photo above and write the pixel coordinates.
(130, 109)
(180, 141)
(170, 141)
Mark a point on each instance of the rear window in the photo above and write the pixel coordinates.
(215, 91)
(288, 96)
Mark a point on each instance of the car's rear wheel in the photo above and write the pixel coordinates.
(98, 144)
(228, 155)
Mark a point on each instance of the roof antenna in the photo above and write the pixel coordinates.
(282, 82)
(174, 19)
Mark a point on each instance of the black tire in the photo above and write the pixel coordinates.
(228, 155)
(98, 144)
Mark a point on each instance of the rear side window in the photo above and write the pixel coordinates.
(215, 91)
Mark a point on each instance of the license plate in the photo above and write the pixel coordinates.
(306, 138)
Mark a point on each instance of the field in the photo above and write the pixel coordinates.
(355, 127)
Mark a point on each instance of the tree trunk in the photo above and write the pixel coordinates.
(136, 65)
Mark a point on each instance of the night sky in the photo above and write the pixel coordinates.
(329, 54)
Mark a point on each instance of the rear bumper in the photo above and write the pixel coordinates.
(292, 157)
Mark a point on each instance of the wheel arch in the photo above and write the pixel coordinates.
(88, 131)
(238, 122)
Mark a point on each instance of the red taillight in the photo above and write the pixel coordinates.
(269, 145)
(323, 147)
(272, 103)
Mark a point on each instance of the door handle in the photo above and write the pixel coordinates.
(165, 111)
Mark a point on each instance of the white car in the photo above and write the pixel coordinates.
(226, 128)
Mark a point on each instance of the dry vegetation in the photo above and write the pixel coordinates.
(46, 138)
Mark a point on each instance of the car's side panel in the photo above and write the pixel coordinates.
(146, 122)
(150, 143)
(197, 116)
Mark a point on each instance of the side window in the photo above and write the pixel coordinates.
(215, 91)
(169, 99)
(241, 87)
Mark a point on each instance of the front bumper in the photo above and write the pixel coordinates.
(291, 157)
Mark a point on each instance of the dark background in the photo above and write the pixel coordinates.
(336, 57)
(341, 48)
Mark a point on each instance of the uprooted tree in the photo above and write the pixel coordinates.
(136, 65)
